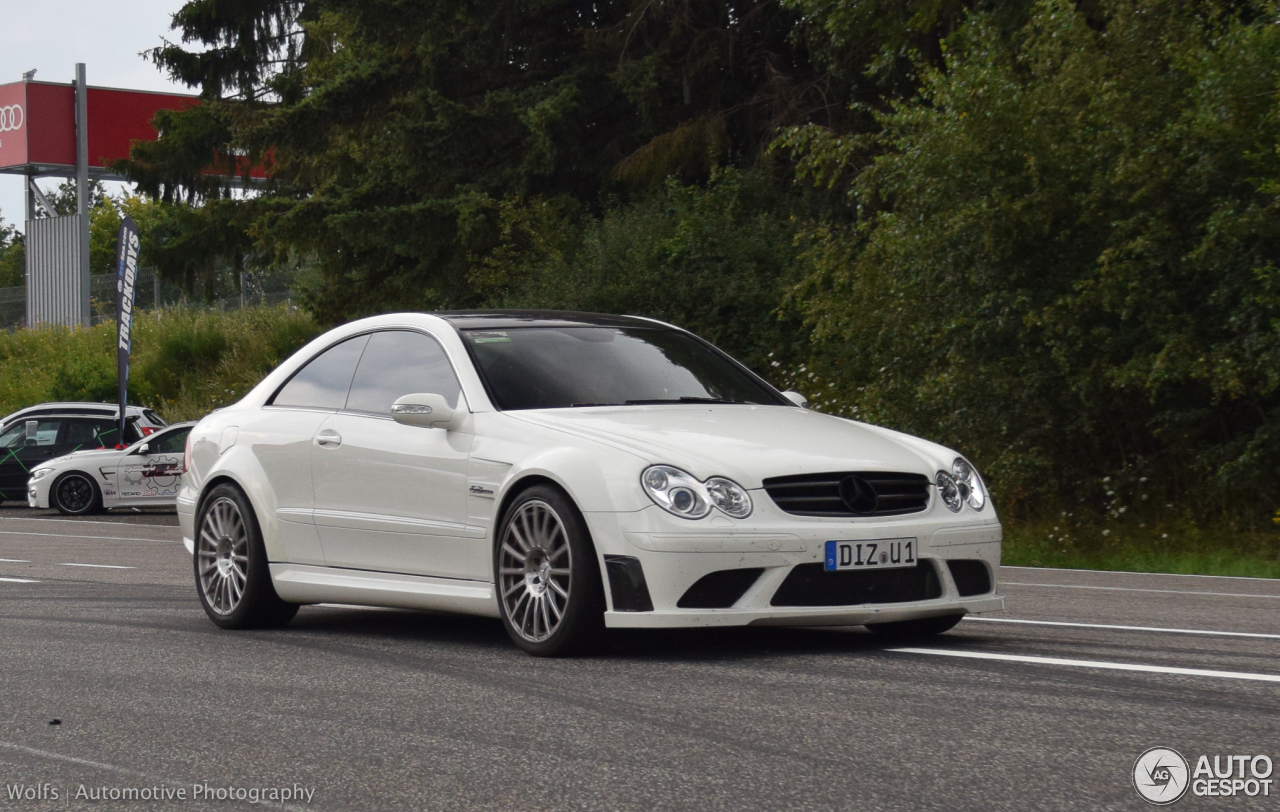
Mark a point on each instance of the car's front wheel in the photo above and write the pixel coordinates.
(549, 590)
(75, 494)
(232, 578)
(915, 629)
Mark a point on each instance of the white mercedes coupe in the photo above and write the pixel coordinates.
(568, 473)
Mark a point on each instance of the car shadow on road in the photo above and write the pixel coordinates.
(686, 645)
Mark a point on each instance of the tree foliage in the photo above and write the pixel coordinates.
(1064, 254)
(1041, 231)
(392, 127)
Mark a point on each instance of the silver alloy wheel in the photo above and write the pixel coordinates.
(75, 493)
(535, 569)
(223, 548)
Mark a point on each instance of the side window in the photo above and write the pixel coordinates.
(323, 383)
(398, 363)
(173, 442)
(89, 433)
(13, 436)
(42, 432)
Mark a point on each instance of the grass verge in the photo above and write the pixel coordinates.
(1188, 550)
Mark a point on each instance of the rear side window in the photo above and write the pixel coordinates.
(90, 433)
(398, 363)
(171, 442)
(323, 383)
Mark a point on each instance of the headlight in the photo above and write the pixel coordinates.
(729, 497)
(970, 484)
(40, 473)
(950, 492)
(681, 493)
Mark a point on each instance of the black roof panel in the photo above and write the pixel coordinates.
(497, 319)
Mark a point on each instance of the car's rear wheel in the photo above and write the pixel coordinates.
(232, 577)
(915, 629)
(75, 494)
(549, 590)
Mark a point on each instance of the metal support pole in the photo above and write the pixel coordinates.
(31, 195)
(82, 188)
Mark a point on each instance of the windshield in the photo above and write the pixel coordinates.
(560, 367)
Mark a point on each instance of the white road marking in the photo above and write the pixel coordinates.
(100, 566)
(70, 536)
(5, 519)
(15, 560)
(1124, 628)
(1134, 572)
(111, 768)
(18, 581)
(1151, 669)
(1135, 589)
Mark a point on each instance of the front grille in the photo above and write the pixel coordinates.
(719, 590)
(850, 493)
(971, 576)
(812, 585)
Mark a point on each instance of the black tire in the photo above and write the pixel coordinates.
(538, 574)
(915, 629)
(230, 561)
(75, 494)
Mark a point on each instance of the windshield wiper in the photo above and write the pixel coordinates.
(685, 399)
(584, 405)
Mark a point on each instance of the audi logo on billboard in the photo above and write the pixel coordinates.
(10, 118)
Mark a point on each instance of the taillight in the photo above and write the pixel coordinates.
(147, 430)
(186, 455)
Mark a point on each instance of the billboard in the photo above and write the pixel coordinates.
(38, 125)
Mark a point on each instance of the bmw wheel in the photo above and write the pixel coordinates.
(232, 578)
(912, 629)
(549, 590)
(75, 494)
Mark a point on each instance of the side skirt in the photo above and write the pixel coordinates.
(301, 583)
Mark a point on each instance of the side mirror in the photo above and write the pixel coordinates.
(143, 449)
(796, 398)
(427, 410)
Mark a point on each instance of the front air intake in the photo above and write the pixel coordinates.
(719, 590)
(972, 577)
(812, 585)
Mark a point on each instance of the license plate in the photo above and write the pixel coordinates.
(878, 554)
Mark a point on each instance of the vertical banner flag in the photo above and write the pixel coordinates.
(126, 281)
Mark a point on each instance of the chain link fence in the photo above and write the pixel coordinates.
(152, 292)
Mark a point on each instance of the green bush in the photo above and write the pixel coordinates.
(185, 362)
(715, 260)
(1065, 257)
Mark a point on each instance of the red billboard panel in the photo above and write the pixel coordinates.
(38, 124)
(13, 124)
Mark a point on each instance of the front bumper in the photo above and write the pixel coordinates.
(674, 554)
(38, 493)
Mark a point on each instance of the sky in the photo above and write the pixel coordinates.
(106, 35)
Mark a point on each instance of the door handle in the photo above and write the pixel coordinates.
(328, 439)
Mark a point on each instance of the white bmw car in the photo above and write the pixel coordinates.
(567, 473)
(145, 474)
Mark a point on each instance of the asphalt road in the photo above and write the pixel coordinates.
(1044, 707)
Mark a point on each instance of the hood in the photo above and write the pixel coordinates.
(104, 453)
(745, 443)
